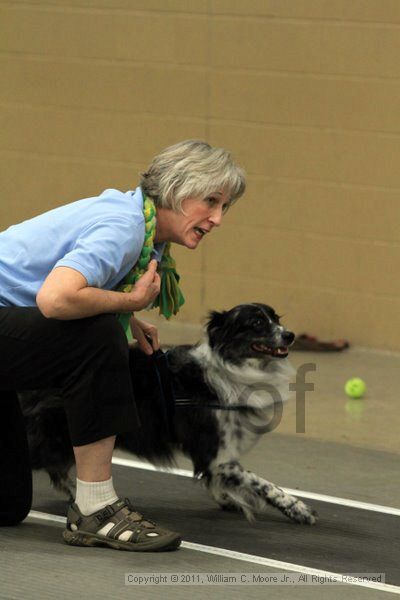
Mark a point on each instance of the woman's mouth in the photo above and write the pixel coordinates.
(200, 232)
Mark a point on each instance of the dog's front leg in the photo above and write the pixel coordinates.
(233, 487)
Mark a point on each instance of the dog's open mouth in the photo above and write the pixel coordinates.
(281, 352)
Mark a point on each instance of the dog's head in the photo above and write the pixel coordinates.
(248, 331)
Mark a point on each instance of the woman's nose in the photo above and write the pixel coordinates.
(216, 216)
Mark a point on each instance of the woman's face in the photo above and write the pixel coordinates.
(200, 216)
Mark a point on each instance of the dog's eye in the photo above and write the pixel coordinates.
(257, 324)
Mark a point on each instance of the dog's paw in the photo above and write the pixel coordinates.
(301, 513)
(225, 503)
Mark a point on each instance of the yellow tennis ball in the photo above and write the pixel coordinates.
(355, 387)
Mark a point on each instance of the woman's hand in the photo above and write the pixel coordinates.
(141, 331)
(147, 288)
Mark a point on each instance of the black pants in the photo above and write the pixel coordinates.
(87, 359)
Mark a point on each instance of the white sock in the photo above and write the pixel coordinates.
(93, 496)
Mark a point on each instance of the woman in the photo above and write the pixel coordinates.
(64, 277)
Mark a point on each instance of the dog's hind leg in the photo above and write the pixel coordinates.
(233, 487)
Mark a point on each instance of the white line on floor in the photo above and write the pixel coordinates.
(259, 560)
(35, 514)
(388, 510)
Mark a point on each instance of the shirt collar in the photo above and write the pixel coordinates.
(158, 251)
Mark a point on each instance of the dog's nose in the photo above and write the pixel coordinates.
(288, 337)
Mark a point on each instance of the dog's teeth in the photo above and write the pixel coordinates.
(281, 351)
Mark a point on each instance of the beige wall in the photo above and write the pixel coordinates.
(304, 92)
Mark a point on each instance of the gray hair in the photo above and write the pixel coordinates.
(191, 169)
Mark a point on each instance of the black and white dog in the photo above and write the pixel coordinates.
(211, 401)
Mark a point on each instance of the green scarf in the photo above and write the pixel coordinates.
(170, 298)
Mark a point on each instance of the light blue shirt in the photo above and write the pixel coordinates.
(101, 237)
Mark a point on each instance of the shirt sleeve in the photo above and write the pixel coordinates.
(105, 252)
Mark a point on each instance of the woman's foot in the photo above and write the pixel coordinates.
(119, 527)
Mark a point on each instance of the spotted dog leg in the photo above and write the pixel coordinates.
(234, 488)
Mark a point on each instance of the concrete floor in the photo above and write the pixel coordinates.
(349, 449)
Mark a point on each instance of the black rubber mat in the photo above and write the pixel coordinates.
(345, 540)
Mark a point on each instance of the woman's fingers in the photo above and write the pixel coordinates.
(146, 335)
(147, 288)
(152, 333)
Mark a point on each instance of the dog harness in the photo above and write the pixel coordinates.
(170, 399)
(170, 298)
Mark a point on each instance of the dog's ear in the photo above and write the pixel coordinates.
(215, 319)
(214, 326)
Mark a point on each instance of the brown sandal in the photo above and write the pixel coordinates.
(118, 526)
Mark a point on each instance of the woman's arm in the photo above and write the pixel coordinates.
(65, 294)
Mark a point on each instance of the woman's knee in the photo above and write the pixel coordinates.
(15, 514)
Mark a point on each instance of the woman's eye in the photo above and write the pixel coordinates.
(211, 201)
